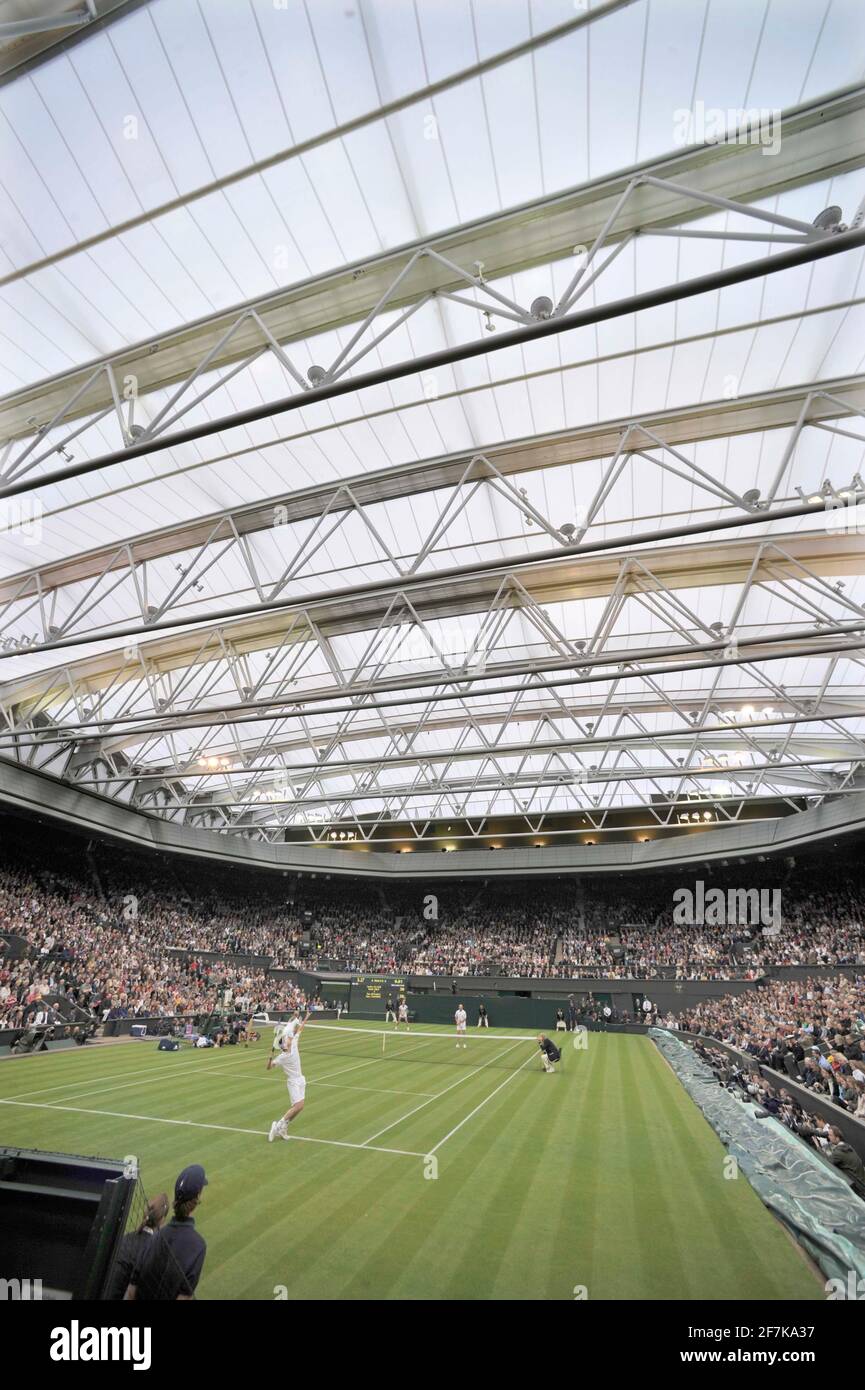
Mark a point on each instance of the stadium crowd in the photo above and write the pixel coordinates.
(788, 1110)
(126, 936)
(131, 961)
(634, 935)
(812, 1032)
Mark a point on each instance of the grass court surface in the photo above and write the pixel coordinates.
(604, 1175)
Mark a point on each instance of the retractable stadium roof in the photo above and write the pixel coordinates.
(430, 410)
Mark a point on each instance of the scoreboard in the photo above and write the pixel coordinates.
(369, 993)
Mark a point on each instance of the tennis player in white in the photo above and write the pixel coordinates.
(460, 1019)
(288, 1061)
(403, 1015)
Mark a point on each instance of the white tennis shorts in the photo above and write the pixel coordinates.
(296, 1088)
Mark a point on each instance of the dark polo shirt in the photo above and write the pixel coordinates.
(134, 1250)
(173, 1264)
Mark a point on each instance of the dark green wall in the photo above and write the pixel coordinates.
(513, 1012)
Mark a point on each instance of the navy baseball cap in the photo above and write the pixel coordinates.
(190, 1182)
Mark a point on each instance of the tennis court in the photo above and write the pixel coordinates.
(420, 1170)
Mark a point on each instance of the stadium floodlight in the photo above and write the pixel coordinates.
(542, 307)
(829, 220)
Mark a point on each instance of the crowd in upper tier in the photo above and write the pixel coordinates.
(130, 935)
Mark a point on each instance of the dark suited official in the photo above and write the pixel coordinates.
(550, 1054)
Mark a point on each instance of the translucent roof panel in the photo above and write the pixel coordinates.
(292, 532)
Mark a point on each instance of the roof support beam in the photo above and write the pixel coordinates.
(724, 736)
(28, 42)
(804, 254)
(820, 138)
(716, 656)
(530, 780)
(797, 407)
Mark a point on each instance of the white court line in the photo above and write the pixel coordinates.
(95, 1082)
(197, 1124)
(372, 1090)
(84, 1081)
(479, 1107)
(186, 1064)
(94, 1085)
(340, 1071)
(74, 1084)
(189, 1065)
(355, 1066)
(313, 1081)
(439, 1094)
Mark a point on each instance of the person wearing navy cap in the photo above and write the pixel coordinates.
(172, 1267)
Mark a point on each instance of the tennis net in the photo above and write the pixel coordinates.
(474, 1049)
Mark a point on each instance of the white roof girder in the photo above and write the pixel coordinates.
(572, 579)
(819, 139)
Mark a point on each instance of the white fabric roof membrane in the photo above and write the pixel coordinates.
(133, 122)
